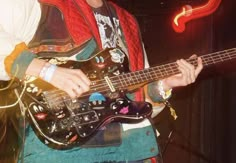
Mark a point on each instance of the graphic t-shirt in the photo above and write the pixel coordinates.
(109, 27)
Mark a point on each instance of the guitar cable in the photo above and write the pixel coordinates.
(19, 96)
(8, 86)
(11, 82)
(22, 109)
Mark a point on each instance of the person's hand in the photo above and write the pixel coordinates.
(187, 76)
(73, 81)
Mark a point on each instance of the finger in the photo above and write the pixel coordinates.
(81, 80)
(77, 89)
(80, 74)
(185, 72)
(183, 77)
(71, 89)
(193, 56)
(190, 70)
(199, 67)
(84, 87)
(79, 85)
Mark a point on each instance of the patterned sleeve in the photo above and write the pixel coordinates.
(18, 23)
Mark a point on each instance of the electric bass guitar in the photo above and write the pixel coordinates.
(61, 122)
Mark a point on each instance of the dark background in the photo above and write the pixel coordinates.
(204, 131)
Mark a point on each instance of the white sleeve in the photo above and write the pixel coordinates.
(18, 23)
(146, 63)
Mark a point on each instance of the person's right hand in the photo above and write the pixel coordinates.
(72, 81)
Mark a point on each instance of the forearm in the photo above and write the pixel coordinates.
(35, 67)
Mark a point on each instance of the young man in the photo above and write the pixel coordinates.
(78, 29)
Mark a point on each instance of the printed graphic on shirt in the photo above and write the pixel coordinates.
(107, 31)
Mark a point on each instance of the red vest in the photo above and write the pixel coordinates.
(82, 26)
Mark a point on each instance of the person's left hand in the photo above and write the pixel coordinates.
(188, 74)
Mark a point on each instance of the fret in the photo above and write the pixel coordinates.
(217, 59)
(161, 73)
(211, 57)
(133, 77)
(227, 55)
(143, 76)
(146, 74)
(207, 60)
(131, 81)
(219, 56)
(154, 73)
(150, 74)
(168, 70)
(204, 61)
(165, 71)
(171, 68)
(136, 77)
(222, 55)
(121, 83)
(124, 79)
(128, 79)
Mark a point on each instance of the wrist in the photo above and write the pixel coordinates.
(35, 67)
(166, 84)
(164, 90)
(47, 71)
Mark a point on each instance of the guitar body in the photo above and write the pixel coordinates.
(61, 122)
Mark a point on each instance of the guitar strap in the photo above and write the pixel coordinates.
(120, 42)
(110, 134)
(135, 50)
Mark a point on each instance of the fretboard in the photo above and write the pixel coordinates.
(162, 71)
(123, 81)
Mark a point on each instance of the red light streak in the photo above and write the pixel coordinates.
(188, 13)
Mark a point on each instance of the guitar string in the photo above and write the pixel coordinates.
(150, 74)
(165, 68)
(59, 100)
(103, 86)
(64, 100)
(103, 83)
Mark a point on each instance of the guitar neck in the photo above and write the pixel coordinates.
(163, 71)
(133, 80)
